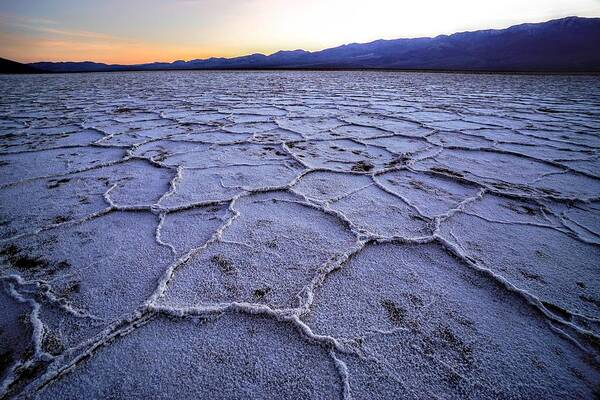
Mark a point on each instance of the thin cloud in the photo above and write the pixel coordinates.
(19, 20)
(78, 34)
(40, 25)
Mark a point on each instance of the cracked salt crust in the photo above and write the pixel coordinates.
(299, 235)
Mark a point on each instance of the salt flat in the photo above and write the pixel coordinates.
(355, 235)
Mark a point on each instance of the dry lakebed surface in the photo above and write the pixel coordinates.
(299, 235)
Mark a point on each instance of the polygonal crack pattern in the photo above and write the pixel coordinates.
(348, 235)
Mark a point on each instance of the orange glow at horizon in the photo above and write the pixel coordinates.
(107, 52)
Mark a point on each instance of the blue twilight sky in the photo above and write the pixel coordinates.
(136, 31)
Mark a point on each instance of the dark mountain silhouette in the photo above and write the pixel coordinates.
(13, 67)
(564, 45)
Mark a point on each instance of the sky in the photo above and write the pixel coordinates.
(138, 31)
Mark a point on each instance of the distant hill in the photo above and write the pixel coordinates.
(564, 45)
(13, 67)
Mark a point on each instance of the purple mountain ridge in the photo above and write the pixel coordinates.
(569, 44)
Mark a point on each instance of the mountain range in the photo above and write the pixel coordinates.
(569, 44)
(13, 67)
